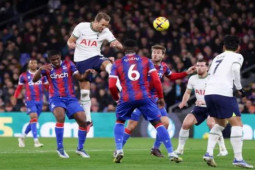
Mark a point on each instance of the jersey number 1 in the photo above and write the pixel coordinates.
(133, 75)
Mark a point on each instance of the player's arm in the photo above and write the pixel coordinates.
(116, 44)
(38, 73)
(83, 76)
(158, 86)
(185, 98)
(17, 91)
(175, 76)
(236, 67)
(71, 42)
(113, 88)
(19, 87)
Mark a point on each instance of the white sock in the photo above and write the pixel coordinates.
(108, 68)
(221, 143)
(183, 136)
(213, 138)
(36, 140)
(236, 139)
(86, 103)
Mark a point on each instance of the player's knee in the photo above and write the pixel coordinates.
(210, 124)
(132, 125)
(186, 126)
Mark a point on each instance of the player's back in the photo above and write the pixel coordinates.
(133, 71)
(220, 80)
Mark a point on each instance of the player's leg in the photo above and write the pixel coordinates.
(82, 132)
(59, 113)
(74, 110)
(33, 127)
(223, 151)
(188, 122)
(216, 105)
(123, 113)
(107, 66)
(129, 129)
(164, 137)
(85, 100)
(152, 113)
(132, 123)
(164, 119)
(236, 139)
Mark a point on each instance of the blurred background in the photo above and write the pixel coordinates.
(28, 28)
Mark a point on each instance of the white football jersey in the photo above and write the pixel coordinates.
(89, 42)
(221, 76)
(198, 84)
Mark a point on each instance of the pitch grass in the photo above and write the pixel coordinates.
(100, 149)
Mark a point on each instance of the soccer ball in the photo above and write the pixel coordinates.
(161, 24)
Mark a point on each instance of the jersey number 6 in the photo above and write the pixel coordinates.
(133, 75)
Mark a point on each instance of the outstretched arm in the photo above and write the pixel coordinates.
(116, 44)
(71, 42)
(185, 98)
(175, 76)
(38, 73)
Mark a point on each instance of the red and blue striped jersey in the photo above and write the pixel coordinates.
(61, 79)
(162, 70)
(34, 91)
(133, 72)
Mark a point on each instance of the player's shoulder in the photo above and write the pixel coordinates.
(24, 74)
(106, 30)
(193, 77)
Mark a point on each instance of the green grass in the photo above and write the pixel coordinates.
(100, 149)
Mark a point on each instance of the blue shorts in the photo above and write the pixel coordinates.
(200, 113)
(91, 63)
(148, 108)
(137, 113)
(70, 104)
(34, 107)
(222, 107)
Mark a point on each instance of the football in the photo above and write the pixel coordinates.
(161, 24)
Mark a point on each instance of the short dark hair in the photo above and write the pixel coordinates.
(130, 45)
(102, 15)
(231, 42)
(203, 60)
(160, 47)
(51, 53)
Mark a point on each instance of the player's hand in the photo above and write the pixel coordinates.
(182, 105)
(116, 44)
(161, 103)
(112, 59)
(241, 93)
(72, 45)
(200, 102)
(191, 70)
(47, 67)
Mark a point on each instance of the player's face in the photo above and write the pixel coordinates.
(157, 55)
(55, 60)
(32, 65)
(101, 25)
(201, 68)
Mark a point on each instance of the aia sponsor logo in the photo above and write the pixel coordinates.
(88, 43)
(58, 76)
(201, 92)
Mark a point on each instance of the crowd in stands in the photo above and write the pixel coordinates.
(196, 31)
